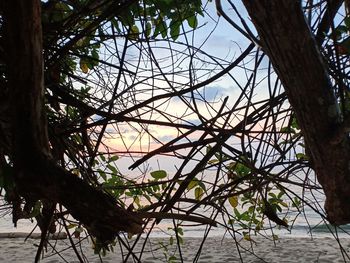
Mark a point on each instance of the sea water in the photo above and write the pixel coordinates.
(302, 224)
(309, 224)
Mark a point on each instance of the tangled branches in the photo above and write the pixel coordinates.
(127, 83)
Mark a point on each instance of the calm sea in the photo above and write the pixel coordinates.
(310, 224)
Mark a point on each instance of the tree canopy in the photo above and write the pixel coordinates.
(88, 86)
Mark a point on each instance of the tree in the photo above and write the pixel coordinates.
(36, 175)
(33, 156)
(297, 58)
(76, 73)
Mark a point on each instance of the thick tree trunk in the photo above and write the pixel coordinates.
(291, 47)
(36, 175)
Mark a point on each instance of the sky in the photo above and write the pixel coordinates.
(224, 43)
(215, 37)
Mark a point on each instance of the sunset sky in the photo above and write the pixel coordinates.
(219, 40)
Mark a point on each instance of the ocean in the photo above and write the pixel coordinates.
(305, 225)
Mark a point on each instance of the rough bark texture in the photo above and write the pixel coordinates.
(36, 175)
(292, 49)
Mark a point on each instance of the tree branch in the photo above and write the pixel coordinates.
(299, 64)
(36, 175)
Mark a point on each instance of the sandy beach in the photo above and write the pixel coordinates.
(325, 250)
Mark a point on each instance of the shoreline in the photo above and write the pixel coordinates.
(34, 235)
(319, 249)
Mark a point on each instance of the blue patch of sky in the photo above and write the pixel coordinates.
(96, 117)
(212, 93)
(166, 138)
(195, 122)
(224, 34)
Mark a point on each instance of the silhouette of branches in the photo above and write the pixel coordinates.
(224, 120)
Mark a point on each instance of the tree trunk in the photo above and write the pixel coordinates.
(36, 174)
(291, 47)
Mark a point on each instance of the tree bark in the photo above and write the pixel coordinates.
(36, 175)
(292, 49)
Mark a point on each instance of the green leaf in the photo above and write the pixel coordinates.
(208, 149)
(113, 169)
(233, 200)
(294, 123)
(137, 201)
(301, 156)
(84, 66)
(79, 229)
(213, 161)
(198, 193)
(155, 188)
(201, 184)
(284, 204)
(115, 24)
(94, 54)
(180, 231)
(161, 28)
(242, 170)
(273, 195)
(192, 184)
(102, 174)
(338, 34)
(259, 226)
(247, 237)
(113, 158)
(134, 32)
(160, 174)
(36, 209)
(280, 194)
(192, 21)
(172, 258)
(148, 29)
(164, 30)
(347, 22)
(277, 207)
(296, 202)
(175, 30)
(237, 213)
(251, 209)
(70, 226)
(245, 216)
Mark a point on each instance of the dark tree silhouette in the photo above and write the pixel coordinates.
(293, 50)
(36, 175)
(76, 75)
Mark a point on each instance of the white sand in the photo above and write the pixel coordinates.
(214, 250)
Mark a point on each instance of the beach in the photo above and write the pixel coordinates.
(215, 249)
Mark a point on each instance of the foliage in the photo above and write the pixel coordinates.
(114, 68)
